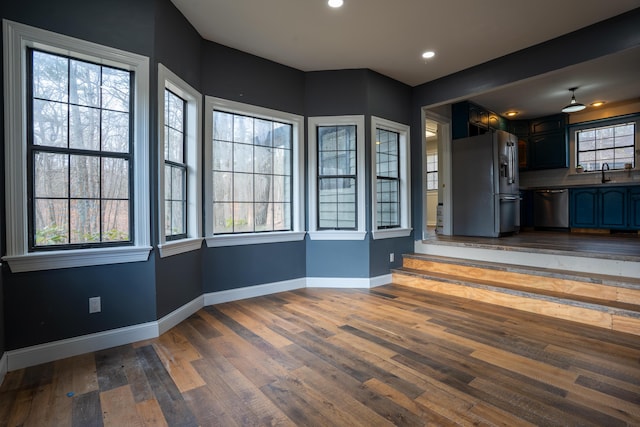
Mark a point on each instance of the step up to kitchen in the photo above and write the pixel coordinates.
(610, 302)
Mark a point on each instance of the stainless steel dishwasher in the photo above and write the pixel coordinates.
(551, 208)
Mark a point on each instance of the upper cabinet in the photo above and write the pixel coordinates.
(470, 119)
(548, 144)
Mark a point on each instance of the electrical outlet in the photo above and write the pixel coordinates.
(391, 257)
(95, 305)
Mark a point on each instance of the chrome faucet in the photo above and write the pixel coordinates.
(603, 169)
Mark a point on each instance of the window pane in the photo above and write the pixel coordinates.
(255, 174)
(115, 89)
(115, 217)
(613, 145)
(51, 222)
(50, 77)
(84, 88)
(115, 178)
(281, 216)
(243, 158)
(85, 177)
(222, 187)
(115, 131)
(50, 123)
(175, 146)
(51, 177)
(85, 221)
(84, 128)
(222, 218)
(79, 198)
(178, 223)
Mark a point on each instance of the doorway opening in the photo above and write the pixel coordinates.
(436, 195)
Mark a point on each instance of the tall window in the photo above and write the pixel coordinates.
(175, 168)
(390, 183)
(388, 178)
(337, 172)
(76, 114)
(252, 174)
(432, 171)
(613, 145)
(79, 153)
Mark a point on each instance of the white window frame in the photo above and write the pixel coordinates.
(313, 124)
(405, 183)
(193, 159)
(17, 39)
(297, 175)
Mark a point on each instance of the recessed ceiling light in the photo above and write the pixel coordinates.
(336, 3)
(597, 104)
(428, 54)
(512, 113)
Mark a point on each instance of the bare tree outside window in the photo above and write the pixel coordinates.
(80, 139)
(252, 174)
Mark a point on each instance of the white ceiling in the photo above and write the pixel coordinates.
(390, 36)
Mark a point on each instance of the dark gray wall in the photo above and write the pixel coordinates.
(391, 100)
(178, 47)
(234, 75)
(52, 305)
(336, 93)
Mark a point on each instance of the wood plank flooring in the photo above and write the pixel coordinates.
(323, 357)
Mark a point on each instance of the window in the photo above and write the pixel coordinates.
(390, 182)
(76, 137)
(80, 153)
(612, 144)
(337, 173)
(432, 171)
(255, 163)
(388, 178)
(336, 178)
(180, 174)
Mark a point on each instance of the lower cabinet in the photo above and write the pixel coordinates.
(616, 208)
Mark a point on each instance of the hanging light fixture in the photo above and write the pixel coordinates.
(573, 105)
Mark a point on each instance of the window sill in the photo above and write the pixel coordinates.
(391, 233)
(337, 235)
(254, 238)
(76, 258)
(176, 247)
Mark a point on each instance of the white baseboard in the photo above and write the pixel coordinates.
(4, 367)
(48, 352)
(219, 297)
(180, 314)
(348, 283)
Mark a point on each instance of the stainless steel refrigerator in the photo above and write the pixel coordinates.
(486, 194)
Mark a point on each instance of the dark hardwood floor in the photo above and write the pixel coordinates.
(322, 357)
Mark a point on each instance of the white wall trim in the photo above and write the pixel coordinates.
(219, 297)
(348, 282)
(180, 314)
(48, 352)
(3, 367)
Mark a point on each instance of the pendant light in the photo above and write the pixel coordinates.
(573, 105)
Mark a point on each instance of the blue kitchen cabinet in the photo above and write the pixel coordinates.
(583, 208)
(548, 142)
(613, 208)
(634, 208)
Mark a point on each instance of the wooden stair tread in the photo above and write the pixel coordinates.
(600, 279)
(595, 303)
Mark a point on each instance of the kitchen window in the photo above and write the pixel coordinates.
(390, 179)
(432, 171)
(613, 144)
(336, 178)
(255, 162)
(179, 167)
(76, 114)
